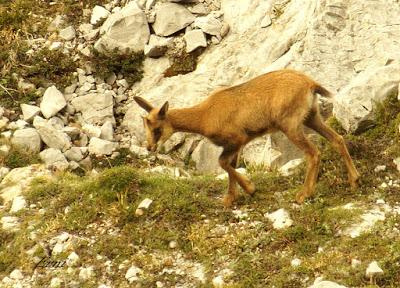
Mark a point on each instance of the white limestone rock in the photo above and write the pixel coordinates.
(209, 24)
(99, 146)
(10, 223)
(373, 269)
(124, 29)
(133, 274)
(369, 219)
(319, 283)
(53, 101)
(98, 14)
(354, 105)
(107, 131)
(18, 179)
(206, 155)
(289, 167)
(67, 33)
(280, 219)
(74, 154)
(194, 39)
(54, 158)
(29, 111)
(157, 46)
(18, 204)
(51, 136)
(72, 259)
(96, 108)
(86, 273)
(171, 18)
(28, 139)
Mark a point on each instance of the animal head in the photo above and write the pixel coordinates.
(156, 123)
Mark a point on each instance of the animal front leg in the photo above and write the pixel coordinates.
(225, 161)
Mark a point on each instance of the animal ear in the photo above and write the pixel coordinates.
(163, 111)
(143, 103)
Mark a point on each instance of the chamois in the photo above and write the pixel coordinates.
(283, 100)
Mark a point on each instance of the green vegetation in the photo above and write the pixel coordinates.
(129, 64)
(182, 63)
(18, 157)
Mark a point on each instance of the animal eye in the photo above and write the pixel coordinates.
(157, 133)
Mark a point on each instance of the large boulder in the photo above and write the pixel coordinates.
(355, 103)
(54, 138)
(28, 139)
(171, 18)
(125, 29)
(331, 41)
(96, 108)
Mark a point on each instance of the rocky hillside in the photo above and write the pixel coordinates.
(83, 204)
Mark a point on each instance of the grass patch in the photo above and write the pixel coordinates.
(18, 157)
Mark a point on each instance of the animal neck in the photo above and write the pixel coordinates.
(186, 119)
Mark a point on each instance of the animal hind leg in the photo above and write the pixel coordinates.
(312, 157)
(338, 143)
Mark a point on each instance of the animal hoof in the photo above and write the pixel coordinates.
(354, 183)
(300, 198)
(228, 200)
(250, 189)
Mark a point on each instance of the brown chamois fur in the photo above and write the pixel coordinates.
(283, 100)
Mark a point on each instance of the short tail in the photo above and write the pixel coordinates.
(322, 91)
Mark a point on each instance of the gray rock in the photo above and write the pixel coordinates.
(174, 141)
(16, 274)
(3, 172)
(99, 146)
(171, 18)
(194, 39)
(209, 24)
(50, 135)
(29, 111)
(98, 13)
(56, 23)
(373, 269)
(86, 273)
(92, 130)
(133, 274)
(140, 152)
(397, 163)
(53, 101)
(56, 122)
(27, 138)
(18, 204)
(125, 29)
(355, 103)
(74, 154)
(54, 158)
(68, 33)
(10, 223)
(157, 46)
(199, 9)
(72, 132)
(107, 131)
(88, 32)
(96, 108)
(319, 283)
(72, 259)
(206, 157)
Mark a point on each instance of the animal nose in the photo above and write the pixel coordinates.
(151, 148)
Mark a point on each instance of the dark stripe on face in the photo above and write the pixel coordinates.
(157, 134)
